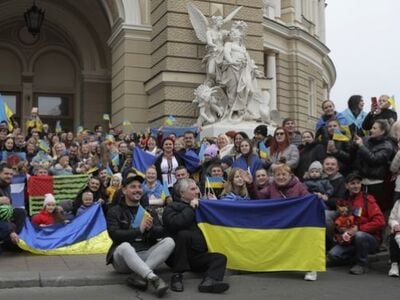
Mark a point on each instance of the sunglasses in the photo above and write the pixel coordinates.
(280, 133)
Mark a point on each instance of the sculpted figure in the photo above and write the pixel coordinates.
(238, 72)
(211, 102)
(212, 34)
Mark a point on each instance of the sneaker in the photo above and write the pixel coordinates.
(310, 276)
(358, 270)
(176, 283)
(394, 270)
(159, 286)
(136, 282)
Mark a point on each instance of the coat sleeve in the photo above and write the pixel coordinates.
(178, 217)
(376, 220)
(395, 165)
(394, 218)
(367, 124)
(382, 156)
(293, 156)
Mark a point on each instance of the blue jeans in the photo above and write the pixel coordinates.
(363, 244)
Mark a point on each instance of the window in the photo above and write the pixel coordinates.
(53, 108)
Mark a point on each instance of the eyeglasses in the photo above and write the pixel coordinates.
(280, 133)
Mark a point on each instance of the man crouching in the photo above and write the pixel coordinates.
(134, 233)
(191, 253)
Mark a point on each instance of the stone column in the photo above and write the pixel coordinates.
(130, 50)
(271, 75)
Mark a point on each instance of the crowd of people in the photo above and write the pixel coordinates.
(351, 162)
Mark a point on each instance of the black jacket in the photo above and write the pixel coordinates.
(179, 215)
(308, 154)
(373, 159)
(119, 220)
(386, 114)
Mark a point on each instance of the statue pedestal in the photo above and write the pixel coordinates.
(248, 127)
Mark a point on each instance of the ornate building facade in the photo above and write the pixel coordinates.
(140, 60)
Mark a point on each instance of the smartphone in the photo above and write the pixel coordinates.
(374, 103)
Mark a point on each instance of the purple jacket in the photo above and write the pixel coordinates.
(293, 189)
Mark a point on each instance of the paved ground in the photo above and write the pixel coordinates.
(26, 276)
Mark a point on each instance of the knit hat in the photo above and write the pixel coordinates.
(211, 150)
(49, 198)
(315, 165)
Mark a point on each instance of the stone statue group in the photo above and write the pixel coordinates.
(230, 92)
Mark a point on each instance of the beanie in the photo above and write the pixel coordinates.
(48, 198)
(211, 150)
(316, 165)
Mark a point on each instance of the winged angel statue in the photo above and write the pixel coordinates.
(230, 91)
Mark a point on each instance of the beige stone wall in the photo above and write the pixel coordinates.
(293, 90)
(176, 54)
(130, 71)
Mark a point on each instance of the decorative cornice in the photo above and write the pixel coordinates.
(139, 32)
(173, 79)
(295, 33)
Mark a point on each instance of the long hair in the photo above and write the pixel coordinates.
(353, 103)
(247, 156)
(275, 146)
(229, 187)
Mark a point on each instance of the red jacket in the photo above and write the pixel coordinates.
(43, 218)
(372, 220)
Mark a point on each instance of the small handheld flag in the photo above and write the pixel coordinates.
(357, 211)
(170, 120)
(339, 136)
(165, 192)
(58, 126)
(126, 123)
(392, 102)
(264, 151)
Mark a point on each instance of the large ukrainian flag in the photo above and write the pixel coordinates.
(266, 235)
(86, 234)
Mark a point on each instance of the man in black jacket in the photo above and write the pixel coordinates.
(9, 229)
(191, 251)
(134, 233)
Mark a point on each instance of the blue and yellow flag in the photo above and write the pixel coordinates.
(266, 235)
(86, 234)
(214, 182)
(202, 151)
(6, 113)
(170, 120)
(264, 151)
(165, 192)
(339, 136)
(142, 160)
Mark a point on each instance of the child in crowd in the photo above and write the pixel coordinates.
(87, 201)
(316, 183)
(344, 222)
(50, 213)
(115, 184)
(235, 188)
